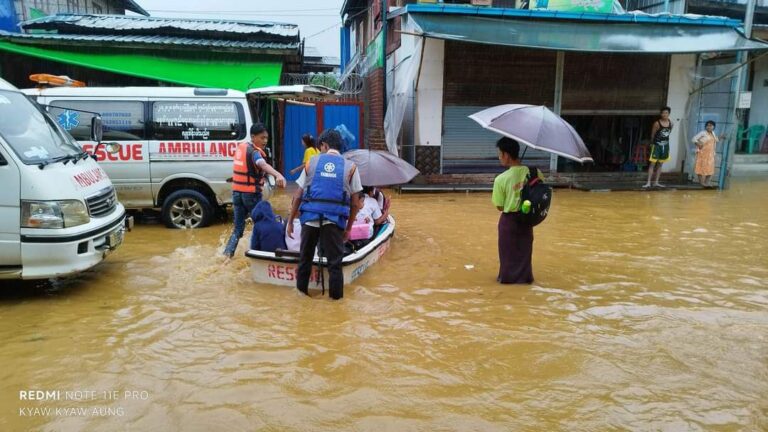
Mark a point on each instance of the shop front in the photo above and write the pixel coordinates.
(608, 75)
(610, 99)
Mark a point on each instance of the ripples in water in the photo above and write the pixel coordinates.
(648, 313)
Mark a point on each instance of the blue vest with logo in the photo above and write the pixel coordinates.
(325, 196)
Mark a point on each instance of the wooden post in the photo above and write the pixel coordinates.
(558, 100)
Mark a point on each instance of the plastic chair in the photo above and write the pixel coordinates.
(753, 136)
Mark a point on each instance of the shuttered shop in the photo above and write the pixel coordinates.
(481, 76)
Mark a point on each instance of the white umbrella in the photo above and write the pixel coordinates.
(536, 127)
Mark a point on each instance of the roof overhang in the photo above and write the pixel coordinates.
(626, 33)
(238, 74)
(134, 7)
(296, 91)
(139, 42)
(350, 6)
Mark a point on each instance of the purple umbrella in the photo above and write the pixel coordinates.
(381, 168)
(536, 127)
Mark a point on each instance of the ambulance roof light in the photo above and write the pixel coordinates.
(210, 92)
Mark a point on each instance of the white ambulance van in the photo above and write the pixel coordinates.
(177, 143)
(58, 211)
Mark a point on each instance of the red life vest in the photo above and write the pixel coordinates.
(246, 176)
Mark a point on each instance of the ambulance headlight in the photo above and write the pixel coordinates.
(53, 214)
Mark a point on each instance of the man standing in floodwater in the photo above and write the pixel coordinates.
(660, 133)
(249, 170)
(328, 197)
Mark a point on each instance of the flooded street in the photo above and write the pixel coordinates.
(649, 312)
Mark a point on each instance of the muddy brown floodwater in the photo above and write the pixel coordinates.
(649, 312)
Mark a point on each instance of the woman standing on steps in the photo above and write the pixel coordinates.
(706, 143)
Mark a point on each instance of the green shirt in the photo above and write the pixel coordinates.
(507, 187)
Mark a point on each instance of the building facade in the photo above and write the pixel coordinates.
(607, 74)
(718, 101)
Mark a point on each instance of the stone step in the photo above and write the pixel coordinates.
(558, 179)
(750, 158)
(749, 169)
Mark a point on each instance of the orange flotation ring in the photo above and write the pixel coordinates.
(55, 80)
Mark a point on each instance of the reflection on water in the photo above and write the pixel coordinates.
(649, 312)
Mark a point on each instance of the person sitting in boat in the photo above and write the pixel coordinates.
(382, 199)
(368, 219)
(268, 231)
(370, 209)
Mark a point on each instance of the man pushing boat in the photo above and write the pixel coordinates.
(328, 198)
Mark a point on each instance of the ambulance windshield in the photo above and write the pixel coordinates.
(31, 132)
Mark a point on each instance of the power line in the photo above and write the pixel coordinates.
(323, 31)
(255, 14)
(259, 12)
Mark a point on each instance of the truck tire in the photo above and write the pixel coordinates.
(186, 208)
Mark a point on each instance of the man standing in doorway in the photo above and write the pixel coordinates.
(249, 171)
(662, 129)
(328, 198)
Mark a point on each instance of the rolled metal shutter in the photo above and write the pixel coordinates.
(468, 148)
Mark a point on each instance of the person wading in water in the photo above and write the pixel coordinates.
(249, 170)
(328, 198)
(515, 235)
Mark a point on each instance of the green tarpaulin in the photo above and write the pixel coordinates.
(238, 75)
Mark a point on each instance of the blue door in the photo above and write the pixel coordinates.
(346, 120)
(8, 16)
(299, 119)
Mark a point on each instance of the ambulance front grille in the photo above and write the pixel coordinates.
(103, 203)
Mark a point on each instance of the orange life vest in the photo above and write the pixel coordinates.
(246, 176)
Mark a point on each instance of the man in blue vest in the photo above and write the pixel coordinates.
(328, 198)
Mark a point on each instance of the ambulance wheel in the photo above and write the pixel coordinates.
(186, 209)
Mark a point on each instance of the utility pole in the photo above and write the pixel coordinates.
(749, 18)
(742, 84)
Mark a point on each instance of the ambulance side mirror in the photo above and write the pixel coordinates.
(97, 129)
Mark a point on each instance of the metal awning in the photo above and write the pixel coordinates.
(584, 36)
(289, 91)
(198, 72)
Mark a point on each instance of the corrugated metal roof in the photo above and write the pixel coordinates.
(123, 24)
(170, 92)
(150, 41)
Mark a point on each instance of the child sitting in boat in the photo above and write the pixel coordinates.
(268, 232)
(369, 217)
(370, 210)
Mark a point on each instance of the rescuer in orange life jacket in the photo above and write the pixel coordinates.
(249, 174)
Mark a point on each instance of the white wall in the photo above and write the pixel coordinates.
(429, 95)
(758, 114)
(681, 71)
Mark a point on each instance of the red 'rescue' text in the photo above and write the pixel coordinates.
(288, 272)
(90, 177)
(128, 152)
